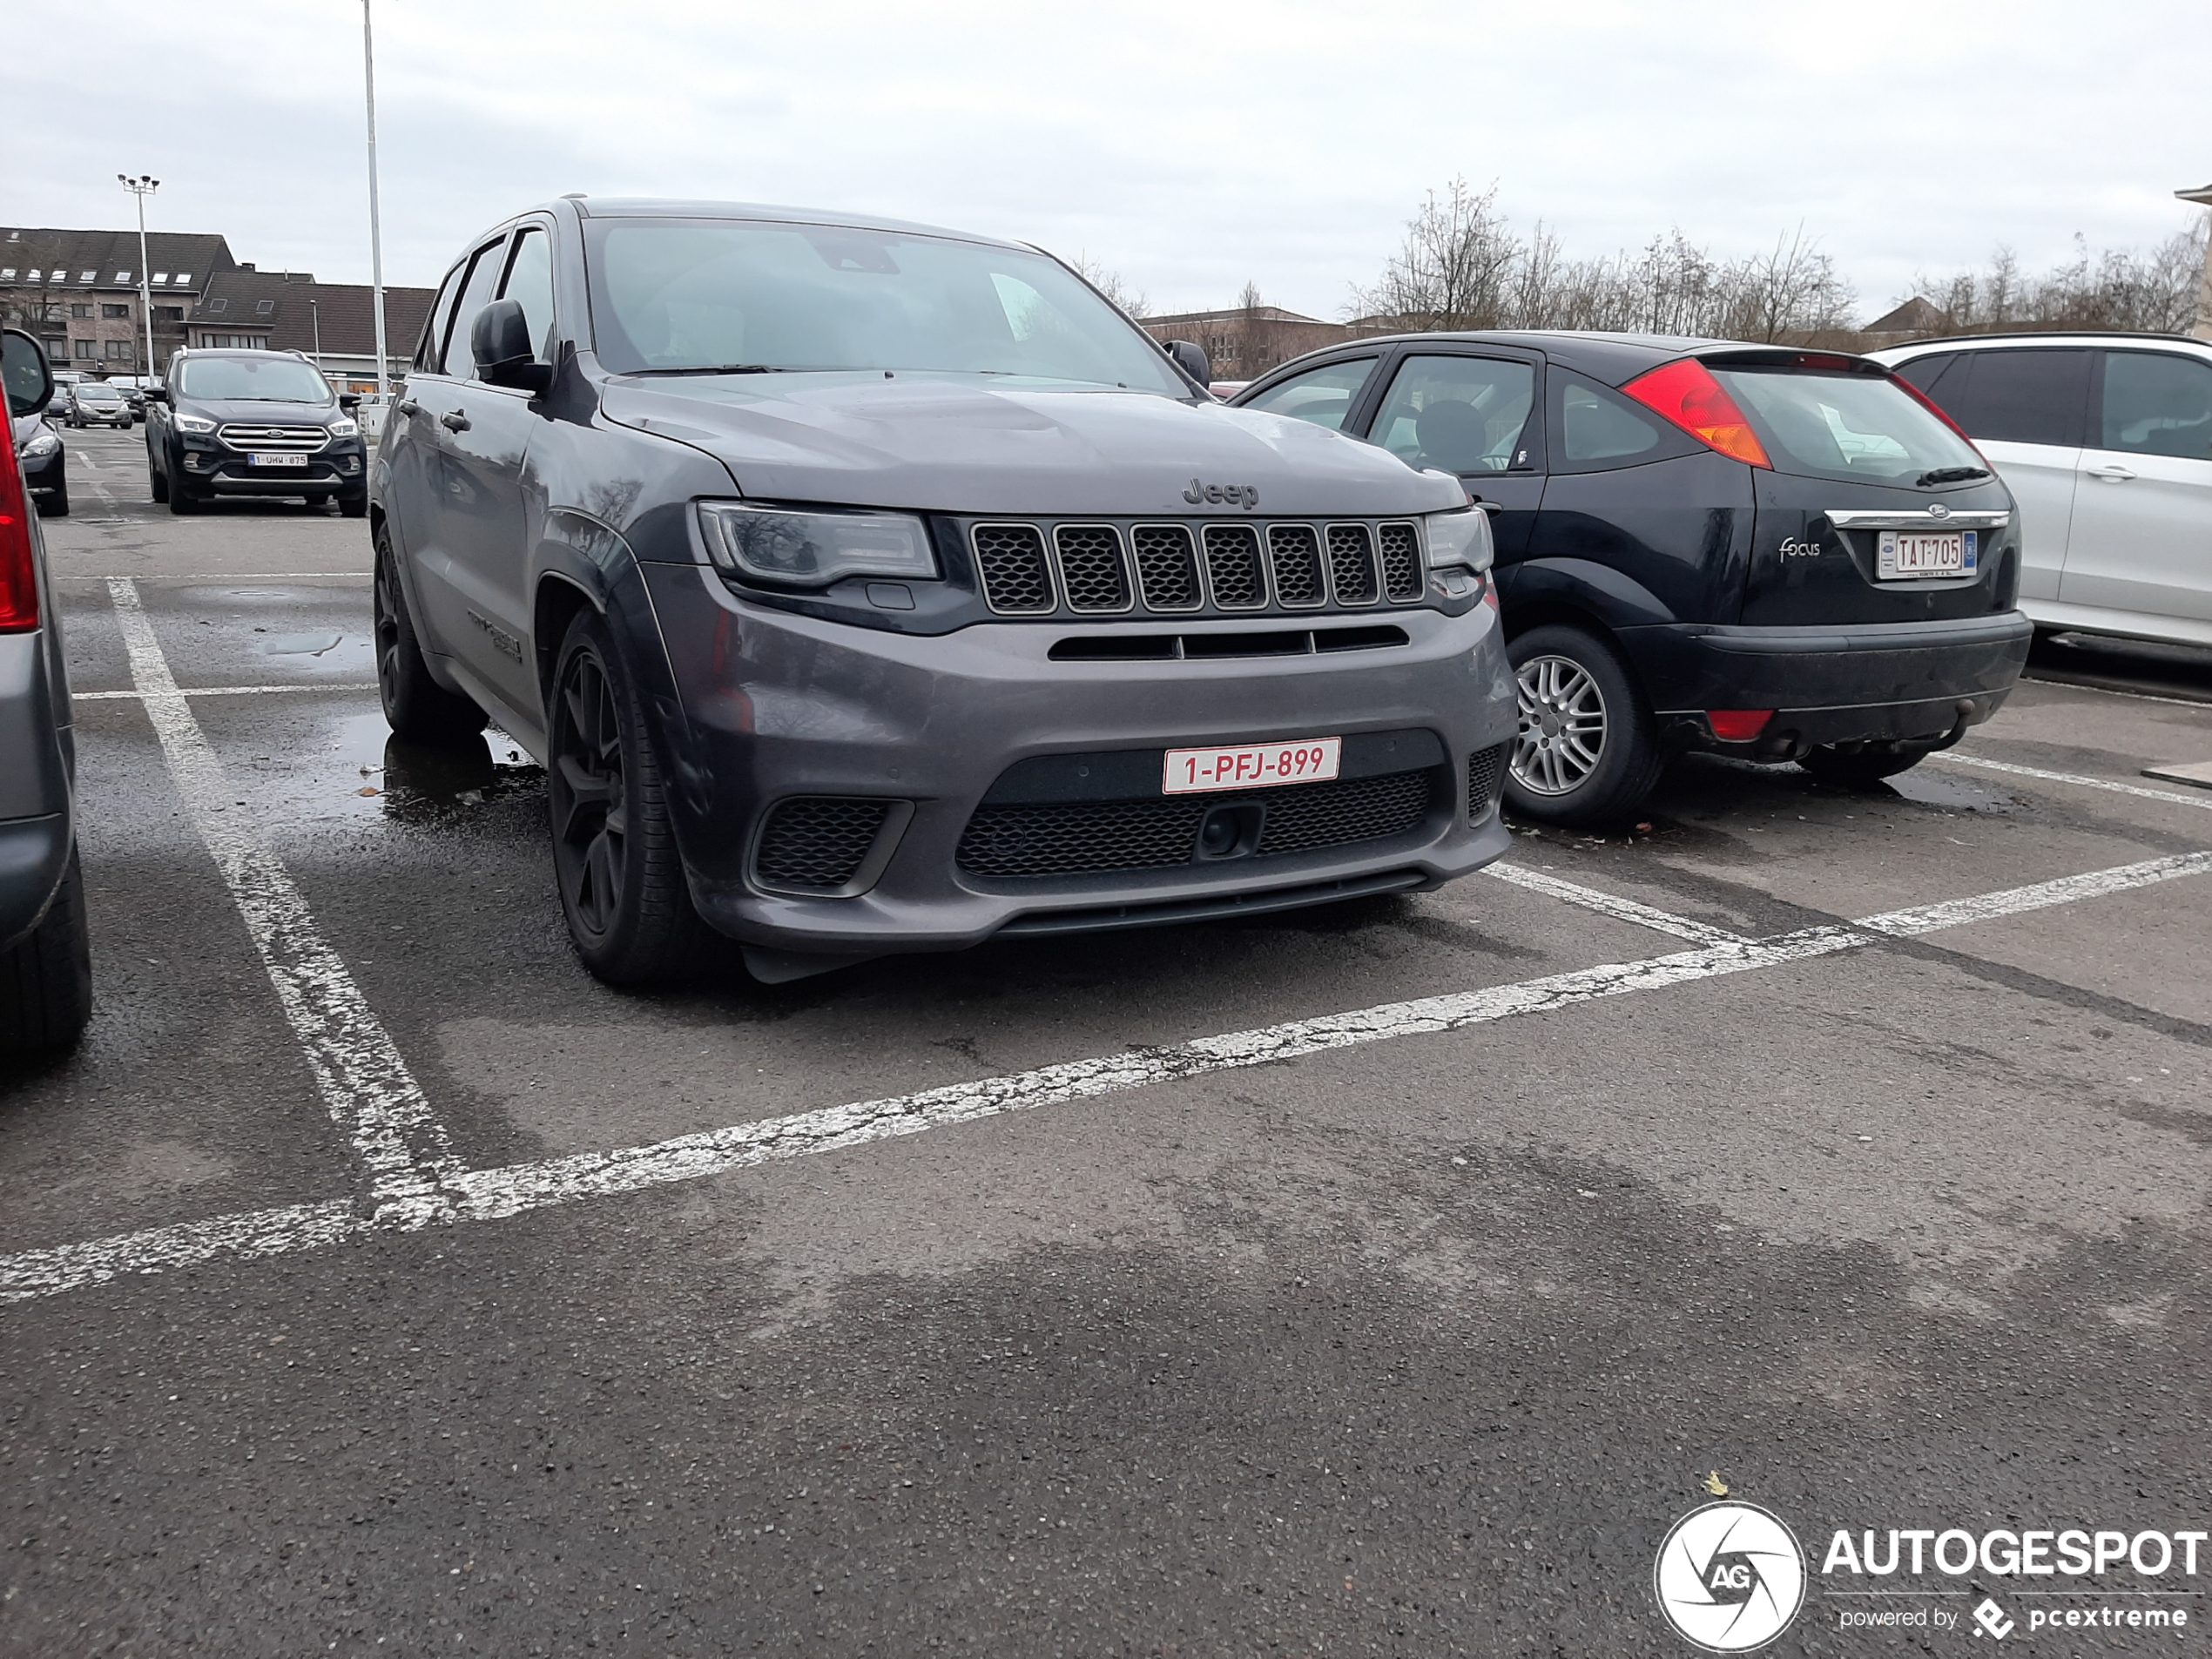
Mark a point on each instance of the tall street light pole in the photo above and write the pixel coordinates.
(376, 229)
(142, 187)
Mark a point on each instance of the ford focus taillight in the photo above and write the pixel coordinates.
(18, 569)
(1686, 393)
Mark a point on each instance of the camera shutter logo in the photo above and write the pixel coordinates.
(1729, 1577)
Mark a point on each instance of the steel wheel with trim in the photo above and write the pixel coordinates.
(417, 707)
(622, 886)
(1586, 749)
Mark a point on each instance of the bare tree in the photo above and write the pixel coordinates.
(1125, 294)
(1453, 269)
(2117, 289)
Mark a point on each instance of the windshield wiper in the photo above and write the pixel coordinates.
(718, 368)
(1951, 475)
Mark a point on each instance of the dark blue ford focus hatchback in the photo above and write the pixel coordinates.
(1753, 551)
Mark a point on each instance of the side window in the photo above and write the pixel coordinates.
(2155, 404)
(1925, 371)
(1599, 428)
(529, 280)
(2020, 396)
(475, 294)
(1322, 395)
(433, 325)
(1463, 415)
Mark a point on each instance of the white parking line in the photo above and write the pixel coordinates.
(1957, 760)
(484, 1195)
(365, 1084)
(1607, 904)
(225, 691)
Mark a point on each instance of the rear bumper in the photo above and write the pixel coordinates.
(34, 857)
(1877, 682)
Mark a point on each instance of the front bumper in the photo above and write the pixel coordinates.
(1884, 683)
(43, 474)
(774, 706)
(209, 466)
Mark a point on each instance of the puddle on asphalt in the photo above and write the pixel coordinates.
(297, 645)
(1930, 788)
(355, 768)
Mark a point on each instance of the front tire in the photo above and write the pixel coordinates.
(355, 506)
(622, 886)
(1855, 769)
(46, 980)
(182, 501)
(415, 705)
(55, 505)
(157, 484)
(1586, 749)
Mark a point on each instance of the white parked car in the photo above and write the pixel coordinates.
(2106, 441)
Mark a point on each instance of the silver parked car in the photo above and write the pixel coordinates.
(45, 963)
(2106, 441)
(872, 588)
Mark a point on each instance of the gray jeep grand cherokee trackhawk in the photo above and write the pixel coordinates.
(870, 588)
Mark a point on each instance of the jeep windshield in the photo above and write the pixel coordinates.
(260, 380)
(741, 296)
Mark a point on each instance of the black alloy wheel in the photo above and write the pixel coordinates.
(415, 705)
(623, 886)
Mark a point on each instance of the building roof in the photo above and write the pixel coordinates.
(2203, 195)
(1915, 316)
(292, 305)
(186, 259)
(1234, 314)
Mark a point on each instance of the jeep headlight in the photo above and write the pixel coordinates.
(194, 423)
(1460, 537)
(789, 549)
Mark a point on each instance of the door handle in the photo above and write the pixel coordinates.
(454, 421)
(408, 406)
(2111, 474)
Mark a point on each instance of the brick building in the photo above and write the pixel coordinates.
(1245, 342)
(78, 292)
(333, 322)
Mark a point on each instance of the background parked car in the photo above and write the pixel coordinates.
(44, 460)
(45, 954)
(252, 424)
(97, 403)
(2106, 442)
(1762, 552)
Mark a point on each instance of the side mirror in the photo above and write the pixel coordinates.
(349, 399)
(499, 341)
(157, 394)
(1190, 358)
(30, 378)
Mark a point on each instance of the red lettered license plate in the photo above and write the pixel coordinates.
(1250, 766)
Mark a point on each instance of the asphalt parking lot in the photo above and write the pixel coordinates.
(1378, 1279)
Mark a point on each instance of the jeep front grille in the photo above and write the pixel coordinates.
(1092, 568)
(1010, 559)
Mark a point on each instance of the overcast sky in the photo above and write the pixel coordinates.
(1188, 145)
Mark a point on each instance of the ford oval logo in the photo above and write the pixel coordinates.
(1939, 512)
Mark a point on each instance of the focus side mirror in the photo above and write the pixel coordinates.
(499, 341)
(30, 378)
(1190, 358)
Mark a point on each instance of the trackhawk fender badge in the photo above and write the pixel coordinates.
(498, 636)
(1244, 495)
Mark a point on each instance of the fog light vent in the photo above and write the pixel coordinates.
(827, 845)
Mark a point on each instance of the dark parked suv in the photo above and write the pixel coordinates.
(45, 961)
(1757, 552)
(248, 423)
(873, 588)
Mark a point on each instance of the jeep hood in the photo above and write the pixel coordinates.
(967, 444)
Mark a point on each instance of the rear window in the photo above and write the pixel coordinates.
(1844, 426)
